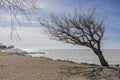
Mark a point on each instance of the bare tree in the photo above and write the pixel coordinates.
(78, 28)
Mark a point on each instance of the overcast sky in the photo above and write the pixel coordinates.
(34, 37)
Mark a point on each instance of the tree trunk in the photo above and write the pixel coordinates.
(101, 57)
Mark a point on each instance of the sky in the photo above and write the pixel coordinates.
(35, 38)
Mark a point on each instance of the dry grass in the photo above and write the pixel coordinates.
(6, 53)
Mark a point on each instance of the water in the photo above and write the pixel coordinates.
(112, 56)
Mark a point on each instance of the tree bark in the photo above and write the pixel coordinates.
(101, 57)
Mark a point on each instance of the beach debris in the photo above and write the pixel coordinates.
(91, 72)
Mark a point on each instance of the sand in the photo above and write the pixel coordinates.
(6, 53)
(16, 67)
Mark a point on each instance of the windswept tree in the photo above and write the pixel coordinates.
(78, 28)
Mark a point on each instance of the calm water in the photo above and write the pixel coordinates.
(112, 56)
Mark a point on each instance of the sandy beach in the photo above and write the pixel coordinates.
(16, 67)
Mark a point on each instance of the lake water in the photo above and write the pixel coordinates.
(112, 56)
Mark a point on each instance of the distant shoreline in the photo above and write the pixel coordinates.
(79, 56)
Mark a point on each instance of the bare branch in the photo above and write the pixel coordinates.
(12, 11)
(79, 28)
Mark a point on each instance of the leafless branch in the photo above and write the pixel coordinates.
(10, 11)
(78, 28)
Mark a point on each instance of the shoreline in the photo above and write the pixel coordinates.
(81, 56)
(66, 60)
(16, 67)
